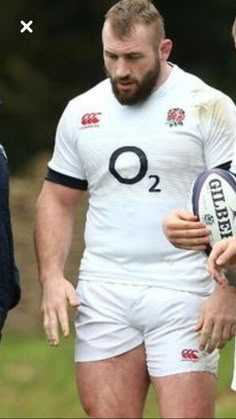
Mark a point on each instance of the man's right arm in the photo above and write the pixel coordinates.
(53, 235)
(185, 231)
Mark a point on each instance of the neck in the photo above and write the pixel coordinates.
(165, 72)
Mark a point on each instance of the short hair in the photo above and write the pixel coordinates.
(125, 14)
(234, 28)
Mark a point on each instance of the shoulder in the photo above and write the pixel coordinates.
(86, 108)
(97, 94)
(89, 102)
(86, 105)
(201, 93)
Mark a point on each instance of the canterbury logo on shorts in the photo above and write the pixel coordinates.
(190, 355)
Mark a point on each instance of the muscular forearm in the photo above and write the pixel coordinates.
(53, 232)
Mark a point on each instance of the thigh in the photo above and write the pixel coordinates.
(115, 387)
(188, 395)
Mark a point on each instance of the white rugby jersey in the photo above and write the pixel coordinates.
(138, 163)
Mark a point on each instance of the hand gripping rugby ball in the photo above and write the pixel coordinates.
(214, 202)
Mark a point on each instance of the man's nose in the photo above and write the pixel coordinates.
(122, 69)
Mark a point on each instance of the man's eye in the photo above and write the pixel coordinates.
(112, 57)
(134, 57)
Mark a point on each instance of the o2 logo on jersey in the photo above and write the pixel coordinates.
(114, 170)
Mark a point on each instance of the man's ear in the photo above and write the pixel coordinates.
(165, 49)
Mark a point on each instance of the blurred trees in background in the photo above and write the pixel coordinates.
(40, 72)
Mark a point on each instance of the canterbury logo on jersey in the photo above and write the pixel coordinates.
(190, 355)
(90, 120)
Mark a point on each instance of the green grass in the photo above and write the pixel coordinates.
(37, 381)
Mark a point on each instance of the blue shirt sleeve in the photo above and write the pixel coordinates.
(9, 275)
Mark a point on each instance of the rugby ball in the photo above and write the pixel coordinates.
(214, 202)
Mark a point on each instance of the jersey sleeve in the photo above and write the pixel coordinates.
(10, 291)
(65, 166)
(219, 131)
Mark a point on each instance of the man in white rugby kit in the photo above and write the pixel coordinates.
(135, 141)
(180, 229)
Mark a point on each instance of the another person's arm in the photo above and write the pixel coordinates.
(217, 322)
(222, 261)
(9, 276)
(53, 234)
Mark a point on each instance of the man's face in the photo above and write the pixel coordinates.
(132, 64)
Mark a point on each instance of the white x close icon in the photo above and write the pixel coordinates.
(26, 26)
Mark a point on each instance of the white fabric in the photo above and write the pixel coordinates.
(123, 236)
(113, 319)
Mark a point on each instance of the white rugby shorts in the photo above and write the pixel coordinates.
(115, 318)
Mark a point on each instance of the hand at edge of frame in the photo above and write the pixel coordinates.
(217, 321)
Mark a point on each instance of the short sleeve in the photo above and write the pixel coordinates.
(219, 131)
(66, 159)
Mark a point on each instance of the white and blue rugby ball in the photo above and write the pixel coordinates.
(214, 202)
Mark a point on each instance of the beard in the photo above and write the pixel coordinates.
(143, 90)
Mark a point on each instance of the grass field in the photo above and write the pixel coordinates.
(37, 381)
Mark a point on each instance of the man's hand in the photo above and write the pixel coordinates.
(184, 231)
(223, 255)
(217, 321)
(57, 295)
